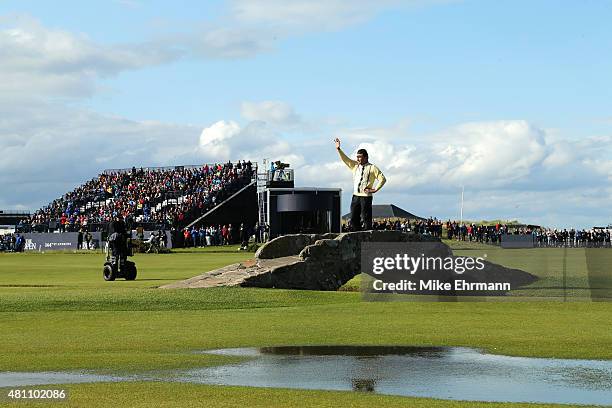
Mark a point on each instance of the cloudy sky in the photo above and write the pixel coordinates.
(510, 99)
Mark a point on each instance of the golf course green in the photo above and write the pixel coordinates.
(58, 314)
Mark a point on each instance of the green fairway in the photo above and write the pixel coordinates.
(573, 273)
(147, 394)
(57, 313)
(83, 270)
(564, 273)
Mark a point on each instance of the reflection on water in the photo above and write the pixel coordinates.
(363, 384)
(435, 372)
(356, 351)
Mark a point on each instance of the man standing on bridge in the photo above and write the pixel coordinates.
(364, 176)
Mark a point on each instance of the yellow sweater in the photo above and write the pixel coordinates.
(363, 176)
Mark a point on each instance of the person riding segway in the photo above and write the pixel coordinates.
(118, 249)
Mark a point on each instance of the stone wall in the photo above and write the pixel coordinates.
(325, 263)
(288, 245)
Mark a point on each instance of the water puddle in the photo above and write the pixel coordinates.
(434, 372)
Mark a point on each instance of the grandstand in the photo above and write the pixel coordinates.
(9, 219)
(13, 217)
(154, 198)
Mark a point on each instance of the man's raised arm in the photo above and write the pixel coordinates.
(350, 163)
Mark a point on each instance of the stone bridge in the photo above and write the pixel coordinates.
(323, 262)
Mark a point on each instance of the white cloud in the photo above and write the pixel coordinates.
(251, 27)
(48, 149)
(495, 153)
(226, 140)
(227, 42)
(300, 15)
(215, 139)
(42, 61)
(271, 112)
(46, 61)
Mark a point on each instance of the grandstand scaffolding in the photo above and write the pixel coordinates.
(262, 180)
(200, 219)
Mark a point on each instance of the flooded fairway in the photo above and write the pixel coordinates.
(434, 372)
(455, 373)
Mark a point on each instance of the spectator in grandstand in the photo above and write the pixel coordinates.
(202, 236)
(88, 238)
(19, 243)
(224, 235)
(230, 234)
(164, 238)
(186, 236)
(217, 235)
(194, 236)
(171, 197)
(244, 238)
(63, 221)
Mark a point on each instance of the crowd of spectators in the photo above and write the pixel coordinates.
(156, 196)
(12, 243)
(215, 235)
(542, 237)
(485, 234)
(430, 226)
(596, 237)
(492, 234)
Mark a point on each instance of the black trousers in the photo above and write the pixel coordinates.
(361, 213)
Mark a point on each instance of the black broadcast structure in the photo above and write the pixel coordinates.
(285, 209)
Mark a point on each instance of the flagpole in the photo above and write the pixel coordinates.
(461, 215)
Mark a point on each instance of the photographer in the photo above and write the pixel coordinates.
(152, 244)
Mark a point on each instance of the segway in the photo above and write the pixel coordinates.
(117, 265)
